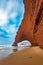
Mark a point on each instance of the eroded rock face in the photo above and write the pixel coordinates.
(31, 27)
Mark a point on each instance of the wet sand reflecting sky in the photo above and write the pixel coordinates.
(4, 52)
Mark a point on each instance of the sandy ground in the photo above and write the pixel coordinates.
(29, 56)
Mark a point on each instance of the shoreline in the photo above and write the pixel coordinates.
(29, 56)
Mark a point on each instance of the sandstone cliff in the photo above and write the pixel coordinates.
(31, 27)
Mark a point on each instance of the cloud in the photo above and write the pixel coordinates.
(3, 18)
(11, 14)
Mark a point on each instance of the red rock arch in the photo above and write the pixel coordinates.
(29, 29)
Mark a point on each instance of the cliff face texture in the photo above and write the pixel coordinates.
(31, 27)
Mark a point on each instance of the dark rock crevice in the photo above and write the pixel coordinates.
(38, 18)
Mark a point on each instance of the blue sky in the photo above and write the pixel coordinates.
(11, 15)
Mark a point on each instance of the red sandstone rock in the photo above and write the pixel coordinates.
(31, 27)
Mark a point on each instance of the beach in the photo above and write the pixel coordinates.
(26, 56)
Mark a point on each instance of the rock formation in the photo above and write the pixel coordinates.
(31, 27)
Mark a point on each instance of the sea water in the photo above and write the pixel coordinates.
(6, 50)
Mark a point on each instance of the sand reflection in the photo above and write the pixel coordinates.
(4, 52)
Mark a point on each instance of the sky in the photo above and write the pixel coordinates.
(11, 15)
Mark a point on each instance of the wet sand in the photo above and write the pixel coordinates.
(5, 51)
(28, 56)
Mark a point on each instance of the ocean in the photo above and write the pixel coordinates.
(6, 50)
